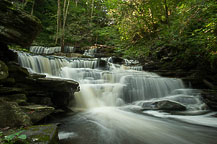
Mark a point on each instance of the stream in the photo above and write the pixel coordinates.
(117, 104)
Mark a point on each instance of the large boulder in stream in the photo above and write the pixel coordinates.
(167, 105)
(17, 27)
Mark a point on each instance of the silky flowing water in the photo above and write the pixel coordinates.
(110, 104)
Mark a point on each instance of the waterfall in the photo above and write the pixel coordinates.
(115, 86)
(50, 50)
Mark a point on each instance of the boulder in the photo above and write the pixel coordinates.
(12, 116)
(17, 27)
(169, 105)
(58, 85)
(37, 112)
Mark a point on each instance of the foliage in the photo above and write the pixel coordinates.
(184, 30)
(18, 48)
(13, 138)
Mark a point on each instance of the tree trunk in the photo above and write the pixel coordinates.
(33, 7)
(166, 12)
(92, 8)
(58, 21)
(65, 13)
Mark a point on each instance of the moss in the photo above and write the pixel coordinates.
(40, 138)
(42, 134)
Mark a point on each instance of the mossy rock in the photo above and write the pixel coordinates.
(39, 134)
(16, 26)
(37, 112)
(11, 115)
(42, 134)
(3, 71)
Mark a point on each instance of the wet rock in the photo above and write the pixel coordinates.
(59, 85)
(210, 98)
(117, 60)
(37, 112)
(36, 76)
(102, 64)
(17, 27)
(11, 115)
(3, 71)
(169, 105)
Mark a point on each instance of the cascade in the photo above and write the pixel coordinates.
(114, 85)
(50, 50)
(109, 94)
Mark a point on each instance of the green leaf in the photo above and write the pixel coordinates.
(23, 137)
(18, 133)
(10, 137)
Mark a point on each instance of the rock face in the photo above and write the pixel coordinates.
(17, 27)
(39, 89)
(27, 98)
(11, 115)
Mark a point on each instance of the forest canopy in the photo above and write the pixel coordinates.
(185, 31)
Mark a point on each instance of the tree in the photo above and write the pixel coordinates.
(61, 22)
